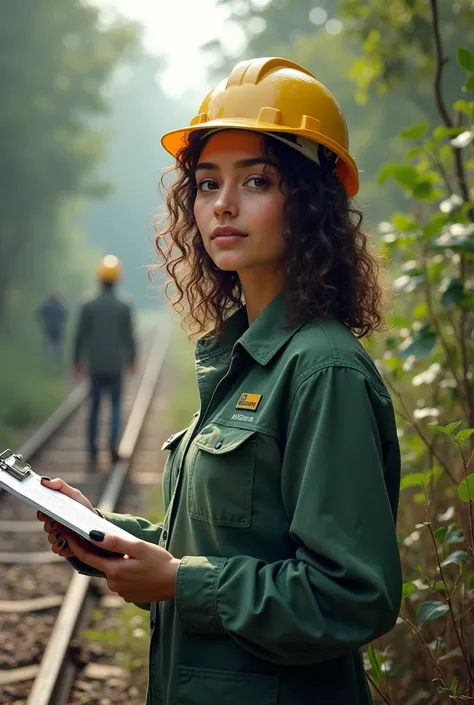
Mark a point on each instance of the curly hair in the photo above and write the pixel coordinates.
(330, 270)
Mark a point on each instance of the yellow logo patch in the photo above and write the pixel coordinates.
(248, 401)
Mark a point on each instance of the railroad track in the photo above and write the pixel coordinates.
(43, 603)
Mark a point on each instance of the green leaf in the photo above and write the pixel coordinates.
(425, 192)
(464, 106)
(445, 430)
(430, 610)
(453, 293)
(408, 589)
(435, 225)
(387, 171)
(420, 311)
(374, 658)
(406, 175)
(469, 85)
(440, 534)
(415, 152)
(457, 557)
(454, 684)
(455, 242)
(403, 222)
(406, 283)
(414, 479)
(466, 488)
(454, 535)
(422, 345)
(466, 59)
(416, 132)
(462, 436)
(439, 133)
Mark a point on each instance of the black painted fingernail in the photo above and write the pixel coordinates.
(61, 543)
(65, 544)
(53, 524)
(44, 477)
(96, 535)
(58, 535)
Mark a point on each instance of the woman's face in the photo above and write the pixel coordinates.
(238, 207)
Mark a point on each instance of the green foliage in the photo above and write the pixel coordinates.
(185, 400)
(427, 362)
(48, 147)
(30, 387)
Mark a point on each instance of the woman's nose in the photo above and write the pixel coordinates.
(226, 203)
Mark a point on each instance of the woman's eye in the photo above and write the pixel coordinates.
(207, 185)
(257, 182)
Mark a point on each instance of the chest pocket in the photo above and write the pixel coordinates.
(221, 474)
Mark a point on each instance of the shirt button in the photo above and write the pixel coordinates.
(218, 445)
(165, 535)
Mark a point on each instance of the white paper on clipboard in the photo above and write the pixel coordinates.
(53, 503)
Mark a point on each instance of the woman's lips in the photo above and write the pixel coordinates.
(227, 235)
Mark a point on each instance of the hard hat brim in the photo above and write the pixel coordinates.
(175, 140)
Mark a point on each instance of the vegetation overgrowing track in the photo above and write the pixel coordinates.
(43, 603)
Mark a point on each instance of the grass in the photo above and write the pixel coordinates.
(31, 387)
(185, 397)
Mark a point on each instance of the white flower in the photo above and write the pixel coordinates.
(423, 413)
(411, 539)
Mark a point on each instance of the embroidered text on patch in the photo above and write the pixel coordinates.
(249, 402)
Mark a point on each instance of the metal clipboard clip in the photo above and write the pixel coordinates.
(14, 464)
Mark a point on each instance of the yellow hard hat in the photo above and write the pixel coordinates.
(274, 95)
(109, 269)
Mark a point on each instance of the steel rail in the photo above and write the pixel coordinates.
(54, 680)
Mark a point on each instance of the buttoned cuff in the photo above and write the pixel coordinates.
(197, 582)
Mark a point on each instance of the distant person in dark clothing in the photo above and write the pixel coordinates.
(53, 314)
(104, 349)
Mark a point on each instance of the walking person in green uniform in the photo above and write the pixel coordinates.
(105, 347)
(277, 557)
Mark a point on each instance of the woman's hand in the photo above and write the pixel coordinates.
(58, 534)
(146, 573)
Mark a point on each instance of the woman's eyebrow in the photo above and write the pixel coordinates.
(239, 164)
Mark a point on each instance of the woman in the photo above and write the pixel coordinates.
(277, 557)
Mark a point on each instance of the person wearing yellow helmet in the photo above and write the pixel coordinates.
(104, 347)
(277, 557)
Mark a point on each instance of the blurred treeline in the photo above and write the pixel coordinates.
(403, 72)
(80, 119)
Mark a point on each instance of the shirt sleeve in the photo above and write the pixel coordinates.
(342, 589)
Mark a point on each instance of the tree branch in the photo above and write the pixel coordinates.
(406, 417)
(441, 61)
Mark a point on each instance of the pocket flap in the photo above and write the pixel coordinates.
(174, 439)
(218, 440)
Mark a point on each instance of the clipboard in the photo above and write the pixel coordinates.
(19, 478)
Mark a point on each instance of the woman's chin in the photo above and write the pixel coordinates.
(229, 262)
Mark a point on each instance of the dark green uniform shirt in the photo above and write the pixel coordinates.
(104, 339)
(280, 499)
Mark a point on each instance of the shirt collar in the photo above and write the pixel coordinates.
(262, 340)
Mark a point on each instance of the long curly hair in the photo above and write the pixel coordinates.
(330, 270)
